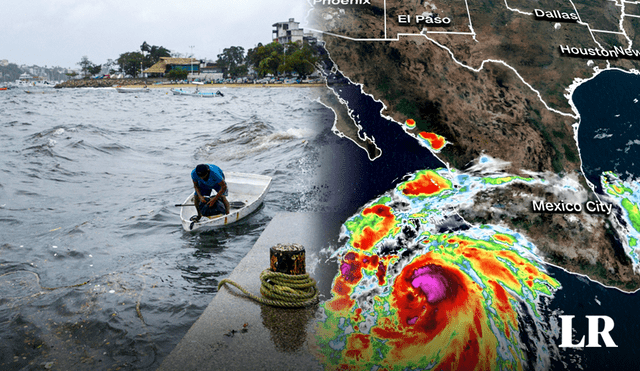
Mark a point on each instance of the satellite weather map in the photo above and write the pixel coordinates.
(464, 174)
(515, 249)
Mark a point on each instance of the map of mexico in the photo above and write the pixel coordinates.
(497, 84)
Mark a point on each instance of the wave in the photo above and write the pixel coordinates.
(48, 133)
(16, 123)
(251, 138)
(113, 147)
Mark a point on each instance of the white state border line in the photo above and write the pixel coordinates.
(469, 16)
(424, 33)
(386, 38)
(574, 116)
(603, 31)
(440, 32)
(621, 25)
(472, 32)
(518, 10)
(392, 39)
(385, 18)
(497, 61)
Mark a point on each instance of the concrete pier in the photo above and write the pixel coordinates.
(237, 333)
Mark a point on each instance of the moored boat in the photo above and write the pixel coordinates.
(246, 194)
(132, 90)
(198, 93)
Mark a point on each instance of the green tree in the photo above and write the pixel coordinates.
(239, 71)
(153, 53)
(301, 60)
(232, 61)
(85, 64)
(108, 65)
(145, 47)
(177, 74)
(95, 69)
(130, 62)
(88, 68)
(266, 59)
(253, 55)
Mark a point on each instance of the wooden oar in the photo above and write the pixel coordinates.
(234, 204)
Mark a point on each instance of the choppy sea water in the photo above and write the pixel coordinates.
(95, 269)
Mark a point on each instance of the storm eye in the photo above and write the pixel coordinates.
(410, 297)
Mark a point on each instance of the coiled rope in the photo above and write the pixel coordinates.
(282, 290)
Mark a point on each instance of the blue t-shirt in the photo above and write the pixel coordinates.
(215, 176)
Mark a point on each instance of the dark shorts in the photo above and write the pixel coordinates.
(217, 208)
(207, 191)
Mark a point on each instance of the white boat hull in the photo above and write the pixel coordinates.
(250, 189)
(198, 94)
(132, 90)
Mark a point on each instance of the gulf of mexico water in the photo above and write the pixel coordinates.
(609, 139)
(609, 132)
(96, 271)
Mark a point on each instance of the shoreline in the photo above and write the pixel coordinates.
(213, 86)
(139, 83)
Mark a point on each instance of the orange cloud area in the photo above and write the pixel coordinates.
(492, 270)
(504, 238)
(370, 235)
(436, 141)
(427, 183)
(438, 314)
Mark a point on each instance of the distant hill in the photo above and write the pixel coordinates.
(12, 72)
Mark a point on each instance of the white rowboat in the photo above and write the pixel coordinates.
(246, 193)
(197, 93)
(132, 90)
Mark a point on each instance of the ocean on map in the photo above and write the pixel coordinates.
(96, 271)
(609, 132)
(609, 141)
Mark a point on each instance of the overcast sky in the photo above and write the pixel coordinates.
(60, 32)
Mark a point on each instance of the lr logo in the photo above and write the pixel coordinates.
(567, 332)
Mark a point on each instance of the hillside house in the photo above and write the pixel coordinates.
(287, 32)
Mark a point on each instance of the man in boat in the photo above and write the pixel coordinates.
(207, 178)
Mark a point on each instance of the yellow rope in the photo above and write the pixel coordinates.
(282, 290)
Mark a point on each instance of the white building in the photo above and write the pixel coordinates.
(287, 32)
